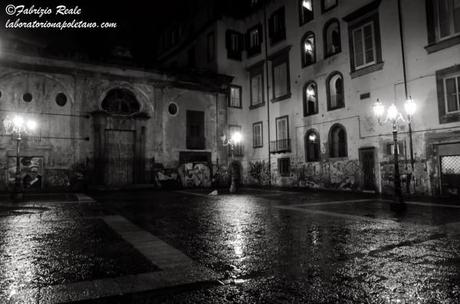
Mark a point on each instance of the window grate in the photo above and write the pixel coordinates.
(450, 164)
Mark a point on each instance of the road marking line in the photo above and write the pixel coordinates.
(332, 203)
(175, 269)
(83, 198)
(433, 205)
(339, 215)
(196, 194)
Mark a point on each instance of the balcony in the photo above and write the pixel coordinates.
(280, 146)
(237, 150)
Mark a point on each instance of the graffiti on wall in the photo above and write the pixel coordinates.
(411, 182)
(335, 174)
(195, 175)
(30, 169)
(258, 173)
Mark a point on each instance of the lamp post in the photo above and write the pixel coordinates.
(17, 126)
(393, 116)
(410, 107)
(234, 140)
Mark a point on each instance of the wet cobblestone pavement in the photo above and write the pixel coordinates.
(263, 246)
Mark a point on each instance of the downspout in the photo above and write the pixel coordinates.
(268, 94)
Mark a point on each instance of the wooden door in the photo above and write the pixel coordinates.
(119, 157)
(367, 160)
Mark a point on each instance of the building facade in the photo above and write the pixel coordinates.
(306, 75)
(107, 126)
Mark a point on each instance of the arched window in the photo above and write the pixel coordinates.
(331, 37)
(312, 146)
(308, 49)
(335, 91)
(338, 141)
(120, 102)
(310, 99)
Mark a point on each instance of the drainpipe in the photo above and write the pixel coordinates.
(268, 93)
(403, 58)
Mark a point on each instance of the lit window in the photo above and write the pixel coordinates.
(332, 38)
(312, 146)
(305, 11)
(310, 105)
(335, 92)
(308, 49)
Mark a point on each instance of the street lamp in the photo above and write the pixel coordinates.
(410, 107)
(393, 116)
(234, 140)
(17, 126)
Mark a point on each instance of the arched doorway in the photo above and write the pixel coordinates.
(119, 139)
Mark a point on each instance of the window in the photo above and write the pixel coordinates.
(282, 134)
(443, 21)
(254, 40)
(234, 44)
(337, 141)
(308, 50)
(120, 102)
(277, 27)
(257, 86)
(257, 137)
(364, 37)
(335, 92)
(284, 166)
(452, 89)
(331, 38)
(211, 47)
(61, 99)
(310, 99)
(237, 149)
(448, 92)
(328, 5)
(195, 130)
(235, 96)
(280, 75)
(305, 11)
(363, 45)
(173, 108)
(312, 146)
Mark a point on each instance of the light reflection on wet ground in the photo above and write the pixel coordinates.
(269, 247)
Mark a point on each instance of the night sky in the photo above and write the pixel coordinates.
(139, 21)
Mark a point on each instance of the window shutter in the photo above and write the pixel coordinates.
(271, 26)
(430, 21)
(241, 44)
(260, 32)
(248, 41)
(228, 41)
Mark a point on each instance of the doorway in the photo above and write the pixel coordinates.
(119, 151)
(367, 162)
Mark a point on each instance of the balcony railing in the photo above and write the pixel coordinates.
(280, 146)
(237, 150)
